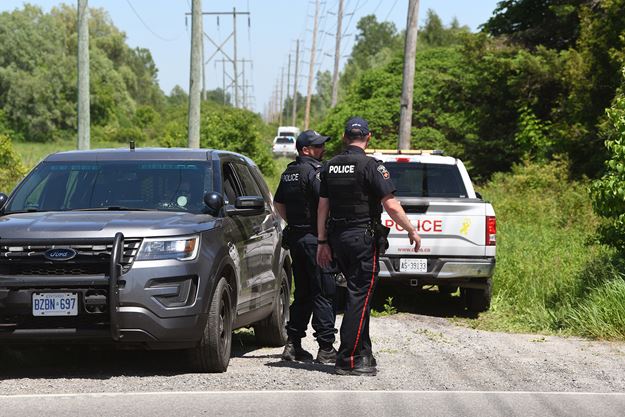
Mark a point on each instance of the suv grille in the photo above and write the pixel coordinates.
(91, 259)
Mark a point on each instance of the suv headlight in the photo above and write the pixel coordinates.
(180, 248)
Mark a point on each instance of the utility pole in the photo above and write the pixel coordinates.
(295, 84)
(311, 70)
(337, 55)
(84, 119)
(410, 48)
(288, 88)
(196, 72)
(281, 101)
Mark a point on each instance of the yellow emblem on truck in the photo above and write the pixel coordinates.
(464, 230)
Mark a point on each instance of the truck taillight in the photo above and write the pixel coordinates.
(491, 230)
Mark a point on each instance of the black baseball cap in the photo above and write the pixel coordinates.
(309, 138)
(356, 126)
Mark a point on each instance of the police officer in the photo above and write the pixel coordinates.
(352, 187)
(296, 201)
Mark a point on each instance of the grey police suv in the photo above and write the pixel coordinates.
(160, 248)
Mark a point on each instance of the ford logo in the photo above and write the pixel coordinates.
(60, 254)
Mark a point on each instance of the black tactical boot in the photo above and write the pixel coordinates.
(293, 352)
(326, 355)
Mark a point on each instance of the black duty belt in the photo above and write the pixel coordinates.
(347, 223)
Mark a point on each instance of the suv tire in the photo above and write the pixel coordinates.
(477, 300)
(272, 330)
(212, 354)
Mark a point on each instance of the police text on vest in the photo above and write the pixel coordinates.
(342, 169)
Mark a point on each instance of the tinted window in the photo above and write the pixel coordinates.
(286, 133)
(426, 180)
(155, 185)
(247, 181)
(284, 141)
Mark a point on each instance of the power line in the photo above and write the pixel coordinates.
(391, 11)
(148, 27)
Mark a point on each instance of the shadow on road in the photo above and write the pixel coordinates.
(429, 303)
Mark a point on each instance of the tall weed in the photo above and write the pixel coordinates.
(552, 275)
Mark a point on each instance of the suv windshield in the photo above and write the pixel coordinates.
(426, 180)
(114, 185)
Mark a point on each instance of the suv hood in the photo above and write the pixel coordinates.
(79, 224)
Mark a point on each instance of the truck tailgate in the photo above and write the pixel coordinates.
(447, 227)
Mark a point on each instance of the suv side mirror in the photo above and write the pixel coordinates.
(248, 206)
(478, 195)
(214, 201)
(3, 200)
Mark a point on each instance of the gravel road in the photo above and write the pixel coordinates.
(414, 352)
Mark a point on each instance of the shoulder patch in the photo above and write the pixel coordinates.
(384, 172)
(318, 176)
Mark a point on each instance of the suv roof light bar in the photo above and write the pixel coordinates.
(406, 151)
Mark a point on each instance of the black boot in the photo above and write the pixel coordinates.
(326, 355)
(293, 352)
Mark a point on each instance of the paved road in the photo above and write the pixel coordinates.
(318, 403)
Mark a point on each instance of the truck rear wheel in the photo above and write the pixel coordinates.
(212, 354)
(272, 330)
(477, 300)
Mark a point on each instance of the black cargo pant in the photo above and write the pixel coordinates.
(315, 291)
(356, 253)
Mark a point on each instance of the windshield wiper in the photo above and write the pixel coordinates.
(112, 208)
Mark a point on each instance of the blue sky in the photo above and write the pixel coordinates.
(274, 25)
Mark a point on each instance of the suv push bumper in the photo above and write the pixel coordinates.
(165, 312)
(467, 272)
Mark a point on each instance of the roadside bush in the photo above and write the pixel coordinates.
(11, 168)
(608, 193)
(224, 127)
(552, 275)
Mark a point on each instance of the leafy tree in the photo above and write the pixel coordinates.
(550, 23)
(373, 43)
(594, 75)
(608, 193)
(435, 34)
(224, 127)
(38, 74)
(177, 96)
(11, 167)
(219, 96)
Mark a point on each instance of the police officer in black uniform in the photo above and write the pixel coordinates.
(296, 200)
(354, 187)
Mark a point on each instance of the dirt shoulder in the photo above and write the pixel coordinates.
(414, 352)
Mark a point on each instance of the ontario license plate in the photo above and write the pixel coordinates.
(413, 265)
(55, 304)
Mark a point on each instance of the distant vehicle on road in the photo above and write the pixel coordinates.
(457, 227)
(156, 248)
(284, 146)
(284, 142)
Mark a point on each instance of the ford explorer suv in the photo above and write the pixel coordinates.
(457, 228)
(154, 248)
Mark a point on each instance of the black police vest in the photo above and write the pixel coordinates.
(350, 202)
(301, 210)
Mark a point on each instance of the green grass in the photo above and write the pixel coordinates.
(551, 275)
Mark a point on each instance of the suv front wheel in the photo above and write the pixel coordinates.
(212, 354)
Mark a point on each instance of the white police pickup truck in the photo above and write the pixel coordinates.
(457, 227)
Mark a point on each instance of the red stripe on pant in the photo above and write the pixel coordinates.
(364, 308)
